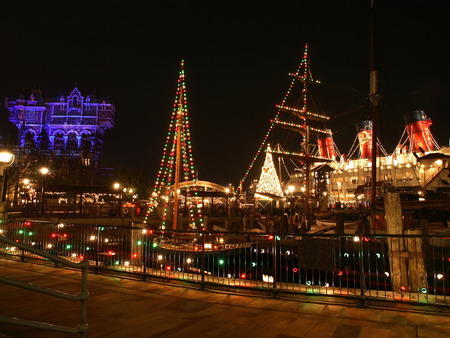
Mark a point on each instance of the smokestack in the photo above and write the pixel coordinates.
(326, 145)
(418, 128)
(364, 130)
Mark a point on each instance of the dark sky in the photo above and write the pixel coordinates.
(237, 61)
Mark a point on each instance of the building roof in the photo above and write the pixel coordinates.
(433, 156)
(323, 167)
(80, 189)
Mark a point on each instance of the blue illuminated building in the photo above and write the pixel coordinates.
(66, 126)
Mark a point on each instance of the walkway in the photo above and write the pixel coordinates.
(121, 307)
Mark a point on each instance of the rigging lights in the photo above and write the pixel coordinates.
(303, 75)
(178, 127)
(283, 102)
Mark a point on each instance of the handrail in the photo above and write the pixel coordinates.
(434, 175)
(82, 297)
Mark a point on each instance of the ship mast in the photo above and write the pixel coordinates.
(374, 97)
(177, 164)
(304, 76)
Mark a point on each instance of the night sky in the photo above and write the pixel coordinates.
(237, 61)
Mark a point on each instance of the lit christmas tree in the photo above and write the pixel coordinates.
(177, 162)
(268, 181)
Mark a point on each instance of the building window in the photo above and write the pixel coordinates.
(72, 142)
(86, 143)
(29, 142)
(59, 142)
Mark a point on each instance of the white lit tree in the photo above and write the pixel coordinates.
(268, 181)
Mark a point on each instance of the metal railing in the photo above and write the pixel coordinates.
(82, 297)
(435, 173)
(407, 268)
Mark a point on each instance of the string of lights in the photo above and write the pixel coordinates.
(303, 69)
(179, 124)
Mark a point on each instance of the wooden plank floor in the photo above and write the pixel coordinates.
(121, 307)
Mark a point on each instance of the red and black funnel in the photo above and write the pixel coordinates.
(364, 130)
(326, 145)
(419, 134)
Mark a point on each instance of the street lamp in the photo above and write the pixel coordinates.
(44, 171)
(6, 159)
(116, 186)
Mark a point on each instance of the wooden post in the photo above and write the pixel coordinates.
(416, 264)
(406, 255)
(397, 254)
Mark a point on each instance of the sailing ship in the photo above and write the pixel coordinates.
(178, 194)
(325, 179)
(295, 115)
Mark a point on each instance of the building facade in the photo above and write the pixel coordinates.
(71, 125)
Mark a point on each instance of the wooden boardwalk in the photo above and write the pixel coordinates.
(121, 307)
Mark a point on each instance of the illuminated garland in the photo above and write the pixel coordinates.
(318, 116)
(291, 153)
(290, 124)
(283, 102)
(321, 131)
(295, 110)
(302, 111)
(302, 74)
(302, 126)
(166, 173)
(282, 152)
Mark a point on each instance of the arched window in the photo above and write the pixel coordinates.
(58, 144)
(72, 142)
(86, 143)
(29, 142)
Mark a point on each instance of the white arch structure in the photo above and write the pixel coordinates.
(204, 184)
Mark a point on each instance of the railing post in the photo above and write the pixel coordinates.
(362, 278)
(22, 253)
(97, 248)
(275, 265)
(84, 298)
(202, 284)
(144, 256)
(57, 241)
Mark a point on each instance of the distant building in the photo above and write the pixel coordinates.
(64, 133)
(71, 125)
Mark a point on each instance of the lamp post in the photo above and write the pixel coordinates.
(6, 159)
(44, 171)
(116, 186)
